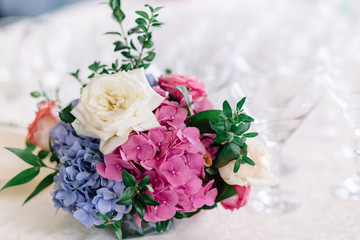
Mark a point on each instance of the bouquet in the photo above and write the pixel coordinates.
(138, 148)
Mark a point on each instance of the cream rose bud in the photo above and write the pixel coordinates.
(258, 175)
(111, 106)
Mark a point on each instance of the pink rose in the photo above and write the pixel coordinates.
(196, 88)
(239, 200)
(38, 131)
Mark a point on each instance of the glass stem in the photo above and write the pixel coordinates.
(275, 161)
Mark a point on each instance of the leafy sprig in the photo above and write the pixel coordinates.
(136, 45)
(36, 162)
(230, 126)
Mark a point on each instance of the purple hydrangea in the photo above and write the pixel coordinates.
(79, 189)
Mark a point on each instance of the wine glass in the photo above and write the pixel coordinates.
(343, 67)
(280, 94)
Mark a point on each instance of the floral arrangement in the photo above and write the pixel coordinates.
(134, 145)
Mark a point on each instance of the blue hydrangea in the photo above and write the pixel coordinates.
(79, 189)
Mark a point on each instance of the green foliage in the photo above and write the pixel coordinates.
(136, 44)
(162, 226)
(185, 93)
(23, 177)
(230, 127)
(47, 181)
(65, 114)
(135, 193)
(203, 119)
(36, 161)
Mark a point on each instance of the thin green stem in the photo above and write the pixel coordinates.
(51, 168)
(127, 42)
(143, 45)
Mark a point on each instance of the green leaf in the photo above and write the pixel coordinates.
(245, 118)
(237, 165)
(164, 225)
(126, 54)
(118, 14)
(227, 109)
(47, 181)
(134, 30)
(75, 74)
(248, 160)
(96, 66)
(145, 181)
(132, 45)
(211, 171)
(181, 215)
(185, 93)
(147, 200)
(159, 24)
(35, 94)
(157, 9)
(141, 21)
(128, 196)
(225, 156)
(206, 207)
(168, 71)
(120, 46)
(143, 14)
(65, 114)
(43, 154)
(105, 225)
(25, 155)
(118, 231)
(221, 139)
(240, 104)
(23, 177)
(126, 202)
(150, 7)
(241, 128)
(102, 216)
(239, 141)
(148, 44)
(113, 33)
(158, 226)
(250, 134)
(150, 56)
(150, 188)
(128, 179)
(227, 125)
(139, 208)
(202, 120)
(126, 67)
(225, 191)
(234, 148)
(30, 147)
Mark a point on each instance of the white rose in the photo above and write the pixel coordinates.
(111, 106)
(258, 175)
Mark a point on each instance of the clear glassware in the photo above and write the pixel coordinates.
(344, 86)
(279, 100)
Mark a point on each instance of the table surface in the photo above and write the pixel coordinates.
(313, 147)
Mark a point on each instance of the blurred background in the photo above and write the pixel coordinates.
(43, 41)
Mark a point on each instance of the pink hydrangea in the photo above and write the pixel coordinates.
(174, 156)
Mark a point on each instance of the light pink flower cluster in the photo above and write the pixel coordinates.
(174, 156)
